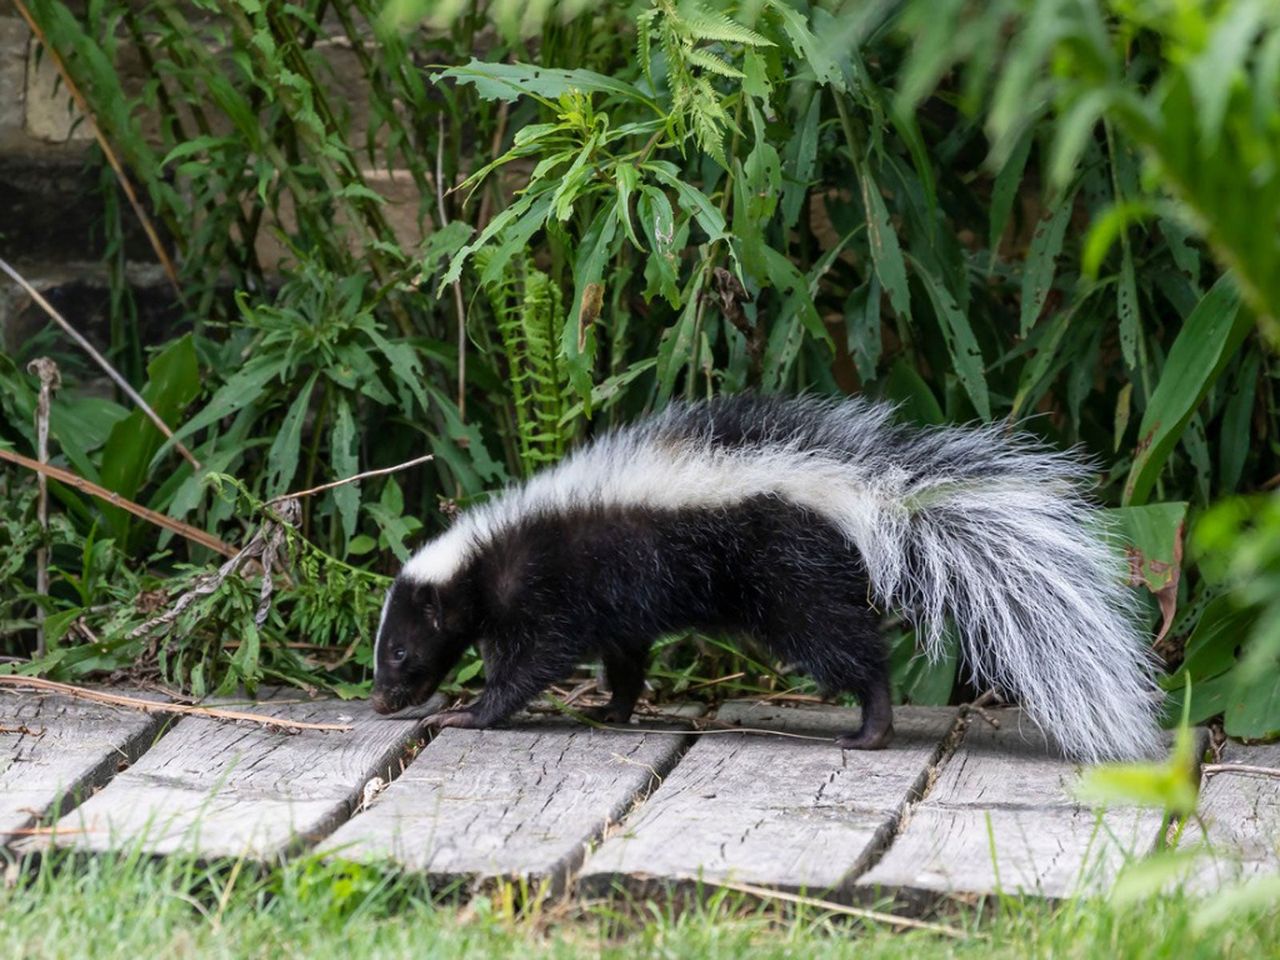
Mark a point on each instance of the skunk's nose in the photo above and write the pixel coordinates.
(378, 701)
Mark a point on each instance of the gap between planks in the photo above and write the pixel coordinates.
(70, 748)
(215, 789)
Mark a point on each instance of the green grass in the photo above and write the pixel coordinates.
(138, 907)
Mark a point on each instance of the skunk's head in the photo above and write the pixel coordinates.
(415, 648)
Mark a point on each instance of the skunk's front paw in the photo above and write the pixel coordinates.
(608, 713)
(453, 718)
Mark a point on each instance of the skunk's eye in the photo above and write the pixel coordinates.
(398, 655)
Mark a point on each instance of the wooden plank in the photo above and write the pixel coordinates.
(1241, 817)
(514, 803)
(772, 811)
(1002, 817)
(54, 749)
(218, 789)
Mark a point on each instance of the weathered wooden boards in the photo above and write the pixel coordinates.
(218, 789)
(992, 811)
(1241, 817)
(774, 811)
(53, 749)
(518, 803)
(1002, 817)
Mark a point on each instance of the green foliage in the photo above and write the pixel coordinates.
(528, 313)
(1058, 212)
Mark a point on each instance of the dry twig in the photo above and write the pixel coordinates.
(264, 546)
(155, 706)
(194, 534)
(876, 916)
(99, 359)
(352, 479)
(1209, 769)
(50, 380)
(457, 286)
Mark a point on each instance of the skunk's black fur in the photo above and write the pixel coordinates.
(781, 520)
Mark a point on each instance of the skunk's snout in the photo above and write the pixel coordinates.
(383, 704)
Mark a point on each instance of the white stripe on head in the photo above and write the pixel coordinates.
(377, 638)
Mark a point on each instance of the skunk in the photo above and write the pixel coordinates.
(794, 521)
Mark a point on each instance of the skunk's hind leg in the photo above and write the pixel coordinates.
(876, 731)
(839, 645)
(624, 670)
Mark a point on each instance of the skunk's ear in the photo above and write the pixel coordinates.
(426, 597)
(435, 607)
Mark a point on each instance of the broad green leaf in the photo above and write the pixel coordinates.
(1235, 434)
(578, 339)
(510, 81)
(661, 267)
(797, 316)
(1204, 346)
(690, 199)
(908, 389)
(1127, 309)
(174, 381)
(81, 425)
(345, 462)
(1042, 259)
(627, 179)
(242, 388)
(1152, 535)
(862, 323)
(282, 458)
(886, 254)
(801, 152)
(966, 355)
(1211, 648)
(676, 345)
(1253, 710)
(819, 54)
(1004, 190)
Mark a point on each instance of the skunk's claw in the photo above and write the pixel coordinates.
(453, 718)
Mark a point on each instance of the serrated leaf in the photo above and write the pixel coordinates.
(712, 63)
(510, 81)
(706, 24)
(818, 54)
(966, 355)
(345, 463)
(282, 458)
(1042, 260)
(886, 254)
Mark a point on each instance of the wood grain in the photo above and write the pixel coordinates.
(514, 803)
(55, 749)
(796, 815)
(1002, 817)
(1241, 817)
(218, 789)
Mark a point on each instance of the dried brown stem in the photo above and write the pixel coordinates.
(457, 285)
(1209, 769)
(352, 479)
(98, 358)
(890, 919)
(50, 380)
(194, 534)
(155, 706)
(56, 58)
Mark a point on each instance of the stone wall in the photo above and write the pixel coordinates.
(50, 194)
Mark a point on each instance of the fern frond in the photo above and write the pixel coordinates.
(704, 25)
(709, 61)
(644, 41)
